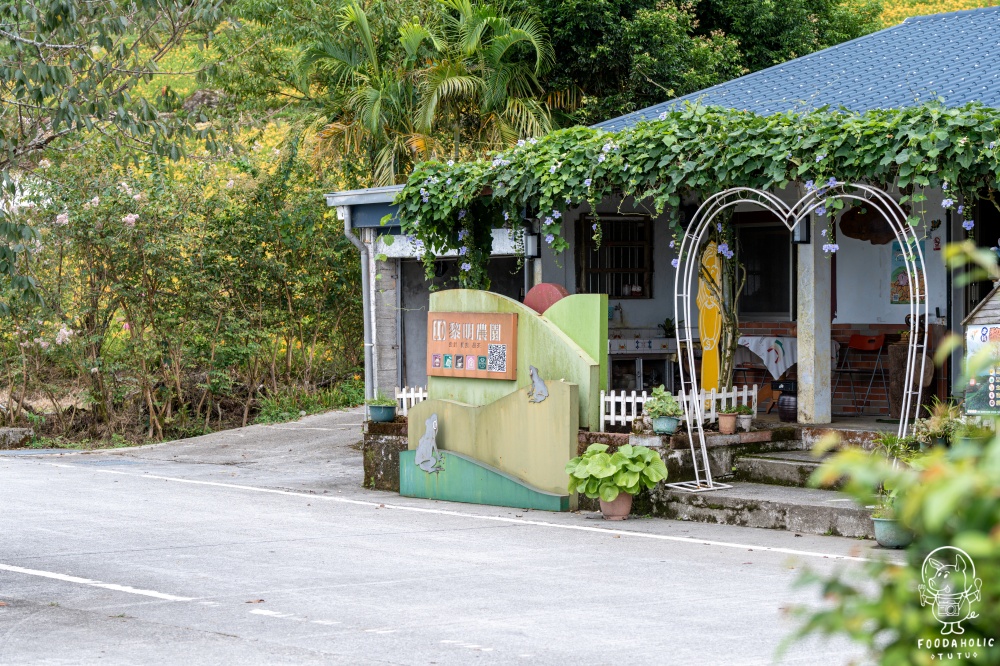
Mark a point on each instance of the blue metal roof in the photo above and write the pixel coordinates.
(955, 56)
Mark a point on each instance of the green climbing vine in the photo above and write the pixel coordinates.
(694, 152)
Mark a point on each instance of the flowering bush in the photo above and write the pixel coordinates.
(697, 151)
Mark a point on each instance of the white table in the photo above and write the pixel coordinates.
(778, 353)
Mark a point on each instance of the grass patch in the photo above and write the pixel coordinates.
(293, 404)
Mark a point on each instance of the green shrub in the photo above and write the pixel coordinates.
(599, 474)
(661, 403)
(951, 497)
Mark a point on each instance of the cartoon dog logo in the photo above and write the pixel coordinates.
(950, 587)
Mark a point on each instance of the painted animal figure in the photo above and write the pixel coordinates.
(427, 457)
(537, 391)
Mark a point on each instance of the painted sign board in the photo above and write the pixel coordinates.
(899, 279)
(474, 345)
(982, 395)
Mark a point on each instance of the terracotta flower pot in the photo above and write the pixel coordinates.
(618, 509)
(727, 424)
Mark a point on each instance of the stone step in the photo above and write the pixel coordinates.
(782, 468)
(806, 510)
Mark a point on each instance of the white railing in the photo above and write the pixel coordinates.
(408, 396)
(622, 407)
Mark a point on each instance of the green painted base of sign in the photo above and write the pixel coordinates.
(463, 479)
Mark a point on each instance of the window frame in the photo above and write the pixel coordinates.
(765, 220)
(586, 244)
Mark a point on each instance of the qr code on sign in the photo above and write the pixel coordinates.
(497, 361)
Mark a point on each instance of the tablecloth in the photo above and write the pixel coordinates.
(778, 353)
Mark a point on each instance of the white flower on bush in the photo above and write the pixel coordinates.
(64, 335)
(62, 219)
(42, 344)
(137, 197)
(93, 203)
(230, 184)
(130, 220)
(93, 371)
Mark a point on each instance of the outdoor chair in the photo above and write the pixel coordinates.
(857, 348)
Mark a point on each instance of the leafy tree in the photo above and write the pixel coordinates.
(624, 55)
(391, 83)
(69, 65)
(771, 32)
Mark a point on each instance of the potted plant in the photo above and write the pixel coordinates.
(899, 451)
(969, 431)
(888, 532)
(664, 410)
(744, 416)
(382, 409)
(727, 420)
(938, 429)
(615, 478)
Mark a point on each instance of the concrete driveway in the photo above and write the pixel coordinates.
(259, 546)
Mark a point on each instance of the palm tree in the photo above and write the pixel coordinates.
(467, 82)
(482, 81)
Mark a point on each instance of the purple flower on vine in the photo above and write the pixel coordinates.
(810, 186)
(466, 267)
(547, 221)
(462, 251)
(718, 226)
(832, 182)
(506, 215)
(552, 169)
(724, 250)
(461, 213)
(820, 158)
(556, 214)
(462, 233)
(944, 187)
(549, 238)
(601, 157)
(594, 227)
(587, 182)
(675, 262)
(960, 209)
(947, 203)
(831, 247)
(451, 162)
(823, 233)
(672, 244)
(821, 211)
(968, 224)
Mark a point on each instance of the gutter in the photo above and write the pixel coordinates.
(344, 212)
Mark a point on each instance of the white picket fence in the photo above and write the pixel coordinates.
(622, 408)
(408, 396)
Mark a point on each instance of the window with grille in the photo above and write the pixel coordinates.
(766, 253)
(622, 267)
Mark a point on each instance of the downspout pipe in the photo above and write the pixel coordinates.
(345, 213)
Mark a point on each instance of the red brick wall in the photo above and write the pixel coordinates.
(843, 404)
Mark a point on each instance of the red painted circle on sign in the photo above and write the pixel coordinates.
(542, 296)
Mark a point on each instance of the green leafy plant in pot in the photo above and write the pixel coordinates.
(615, 477)
(664, 411)
(382, 408)
(744, 416)
(898, 451)
(727, 420)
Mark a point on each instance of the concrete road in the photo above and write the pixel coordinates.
(259, 546)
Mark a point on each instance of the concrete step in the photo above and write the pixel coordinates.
(805, 510)
(781, 468)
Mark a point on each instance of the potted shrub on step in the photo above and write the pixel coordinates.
(664, 411)
(382, 409)
(744, 416)
(615, 477)
(889, 533)
(727, 420)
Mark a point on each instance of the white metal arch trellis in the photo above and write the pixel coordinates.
(686, 284)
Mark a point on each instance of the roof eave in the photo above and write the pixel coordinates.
(371, 195)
